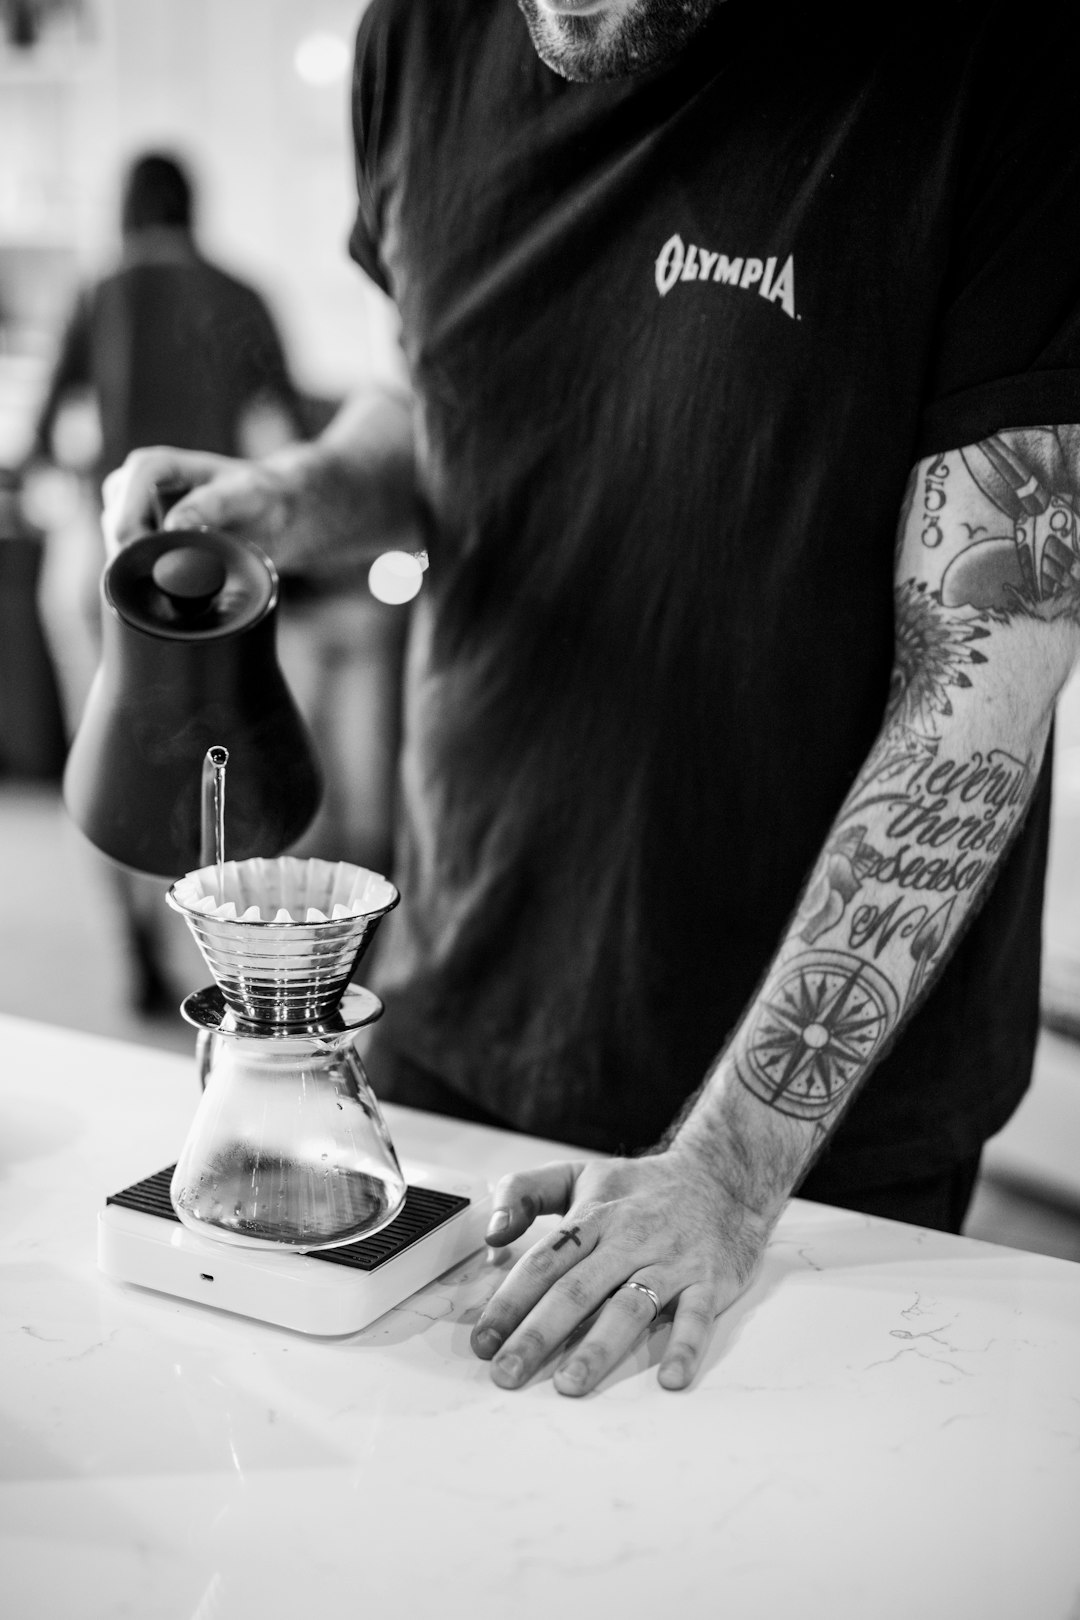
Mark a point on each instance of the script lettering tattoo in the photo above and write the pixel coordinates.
(934, 501)
(927, 930)
(963, 809)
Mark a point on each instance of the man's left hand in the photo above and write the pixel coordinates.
(664, 1223)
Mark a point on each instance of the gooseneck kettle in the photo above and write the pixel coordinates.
(189, 661)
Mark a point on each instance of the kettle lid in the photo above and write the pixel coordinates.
(191, 584)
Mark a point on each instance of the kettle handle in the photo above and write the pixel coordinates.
(164, 495)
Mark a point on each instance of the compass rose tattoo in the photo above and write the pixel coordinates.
(815, 1031)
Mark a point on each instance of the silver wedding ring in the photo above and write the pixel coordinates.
(643, 1288)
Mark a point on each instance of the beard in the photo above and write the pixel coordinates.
(589, 49)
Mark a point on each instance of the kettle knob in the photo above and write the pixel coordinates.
(190, 576)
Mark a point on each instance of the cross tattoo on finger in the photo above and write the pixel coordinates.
(567, 1235)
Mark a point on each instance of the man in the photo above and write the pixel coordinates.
(697, 301)
(171, 347)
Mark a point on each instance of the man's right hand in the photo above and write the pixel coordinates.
(327, 507)
(194, 489)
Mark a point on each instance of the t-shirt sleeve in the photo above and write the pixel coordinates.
(1007, 350)
(369, 86)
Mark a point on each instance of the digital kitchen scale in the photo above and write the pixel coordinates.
(327, 1292)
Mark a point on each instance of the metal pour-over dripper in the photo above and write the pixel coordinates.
(288, 1148)
(282, 937)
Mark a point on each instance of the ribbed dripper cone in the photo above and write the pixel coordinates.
(273, 961)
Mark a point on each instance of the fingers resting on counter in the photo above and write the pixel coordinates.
(636, 1239)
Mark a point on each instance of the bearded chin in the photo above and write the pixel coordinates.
(591, 49)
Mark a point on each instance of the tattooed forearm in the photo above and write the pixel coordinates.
(918, 837)
(876, 921)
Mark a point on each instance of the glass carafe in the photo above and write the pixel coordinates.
(288, 1148)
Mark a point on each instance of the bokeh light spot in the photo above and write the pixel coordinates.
(321, 59)
(395, 577)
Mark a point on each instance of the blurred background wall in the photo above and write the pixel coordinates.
(254, 93)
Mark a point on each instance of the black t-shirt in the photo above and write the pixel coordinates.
(676, 343)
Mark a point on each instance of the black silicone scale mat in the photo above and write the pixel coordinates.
(425, 1210)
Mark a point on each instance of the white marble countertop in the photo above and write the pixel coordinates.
(888, 1425)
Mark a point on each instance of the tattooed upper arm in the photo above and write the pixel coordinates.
(989, 551)
(992, 531)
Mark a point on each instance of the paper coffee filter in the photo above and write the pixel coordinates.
(261, 889)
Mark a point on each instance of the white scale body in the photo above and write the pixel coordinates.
(309, 1293)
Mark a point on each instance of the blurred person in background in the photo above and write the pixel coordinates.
(173, 349)
(168, 348)
(745, 348)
